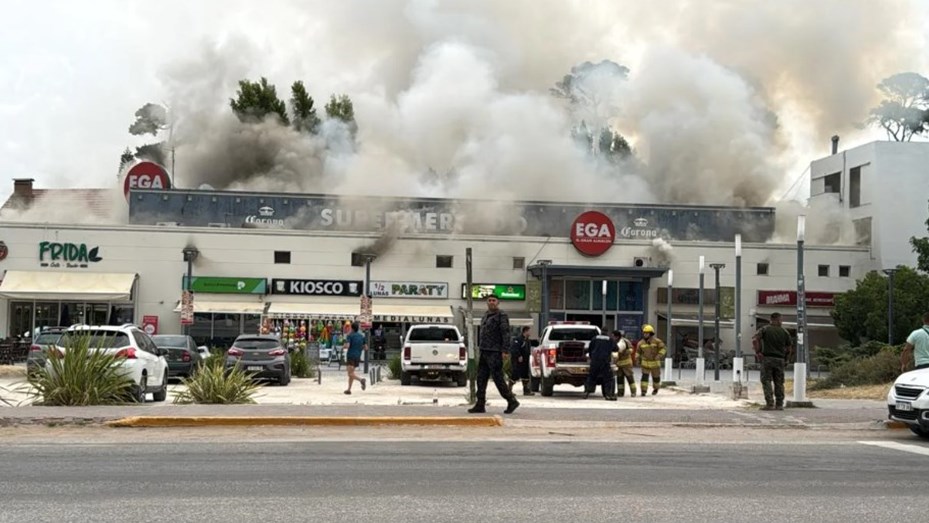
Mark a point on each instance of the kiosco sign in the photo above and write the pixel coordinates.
(146, 175)
(592, 233)
(317, 287)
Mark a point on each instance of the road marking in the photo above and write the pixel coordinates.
(893, 445)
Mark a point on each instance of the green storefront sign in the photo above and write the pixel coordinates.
(223, 285)
(503, 292)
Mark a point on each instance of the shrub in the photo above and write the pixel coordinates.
(301, 366)
(882, 367)
(393, 367)
(214, 385)
(79, 377)
(216, 354)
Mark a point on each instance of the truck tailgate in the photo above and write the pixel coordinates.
(428, 353)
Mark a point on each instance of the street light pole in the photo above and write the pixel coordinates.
(890, 305)
(716, 267)
(543, 317)
(800, 366)
(669, 360)
(368, 258)
(603, 307)
(701, 362)
(737, 362)
(190, 255)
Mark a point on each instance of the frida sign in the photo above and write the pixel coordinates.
(54, 254)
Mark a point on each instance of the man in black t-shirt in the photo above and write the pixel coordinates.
(773, 347)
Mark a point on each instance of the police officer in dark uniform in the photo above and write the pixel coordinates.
(601, 352)
(493, 340)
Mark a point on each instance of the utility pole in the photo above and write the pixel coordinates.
(800, 366)
(469, 318)
(738, 364)
(890, 305)
(716, 267)
(368, 258)
(668, 378)
(700, 377)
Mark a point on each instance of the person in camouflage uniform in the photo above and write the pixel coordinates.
(623, 359)
(773, 347)
(651, 351)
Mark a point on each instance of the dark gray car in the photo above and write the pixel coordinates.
(181, 352)
(38, 352)
(263, 357)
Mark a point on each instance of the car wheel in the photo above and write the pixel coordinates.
(548, 386)
(920, 432)
(162, 393)
(405, 378)
(140, 389)
(534, 384)
(462, 379)
(285, 378)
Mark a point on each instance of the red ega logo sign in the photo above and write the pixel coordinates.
(592, 233)
(146, 175)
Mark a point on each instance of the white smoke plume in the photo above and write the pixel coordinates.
(661, 252)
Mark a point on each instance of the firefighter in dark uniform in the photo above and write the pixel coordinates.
(601, 353)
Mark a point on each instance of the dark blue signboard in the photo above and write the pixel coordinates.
(435, 216)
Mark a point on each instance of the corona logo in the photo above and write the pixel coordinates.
(640, 222)
(266, 211)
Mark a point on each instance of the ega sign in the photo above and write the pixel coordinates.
(146, 175)
(592, 233)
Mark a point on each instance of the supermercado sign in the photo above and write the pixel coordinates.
(409, 289)
(317, 287)
(789, 299)
(444, 217)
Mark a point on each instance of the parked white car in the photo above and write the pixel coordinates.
(433, 352)
(139, 358)
(908, 401)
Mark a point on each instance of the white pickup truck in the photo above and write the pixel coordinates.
(908, 401)
(433, 352)
(561, 356)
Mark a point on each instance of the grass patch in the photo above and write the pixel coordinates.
(858, 392)
(878, 369)
(80, 376)
(212, 384)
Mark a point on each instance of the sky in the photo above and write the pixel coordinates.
(457, 86)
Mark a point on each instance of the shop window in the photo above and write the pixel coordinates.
(824, 271)
(854, 187)
(612, 295)
(251, 324)
(282, 257)
(761, 269)
(519, 262)
(556, 294)
(46, 314)
(630, 296)
(833, 183)
(202, 329)
(443, 261)
(577, 295)
(20, 318)
(845, 271)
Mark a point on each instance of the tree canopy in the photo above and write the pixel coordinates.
(904, 112)
(256, 100)
(861, 314)
(301, 104)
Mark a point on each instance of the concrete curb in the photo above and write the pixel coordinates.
(305, 421)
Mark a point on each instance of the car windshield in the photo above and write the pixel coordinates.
(433, 334)
(572, 334)
(98, 339)
(170, 341)
(256, 344)
(48, 338)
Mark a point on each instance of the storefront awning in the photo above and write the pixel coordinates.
(789, 321)
(67, 286)
(226, 307)
(389, 313)
(693, 320)
(517, 318)
(313, 311)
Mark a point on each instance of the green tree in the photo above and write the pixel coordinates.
(861, 314)
(921, 248)
(125, 159)
(904, 112)
(256, 100)
(301, 104)
(341, 108)
(154, 152)
(149, 119)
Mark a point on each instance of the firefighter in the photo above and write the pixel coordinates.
(623, 359)
(651, 352)
(601, 350)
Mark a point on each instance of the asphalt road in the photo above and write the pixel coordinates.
(262, 479)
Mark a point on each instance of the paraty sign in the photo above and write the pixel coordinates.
(409, 289)
(592, 233)
(54, 254)
(146, 175)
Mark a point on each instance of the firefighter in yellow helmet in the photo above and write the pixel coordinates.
(651, 351)
(623, 359)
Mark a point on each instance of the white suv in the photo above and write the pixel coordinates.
(140, 359)
(908, 401)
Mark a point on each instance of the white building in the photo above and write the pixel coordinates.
(884, 187)
(242, 275)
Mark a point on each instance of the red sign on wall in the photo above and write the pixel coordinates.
(592, 233)
(789, 299)
(146, 175)
(150, 325)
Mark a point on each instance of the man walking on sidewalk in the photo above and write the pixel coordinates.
(773, 348)
(493, 340)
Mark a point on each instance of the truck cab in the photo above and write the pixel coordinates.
(561, 356)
